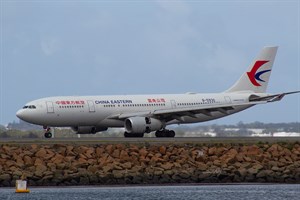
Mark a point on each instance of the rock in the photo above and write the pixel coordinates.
(39, 162)
(99, 151)
(253, 150)
(212, 151)
(158, 172)
(109, 149)
(118, 173)
(184, 174)
(28, 161)
(167, 166)
(143, 152)
(242, 172)
(58, 158)
(93, 168)
(89, 152)
(41, 153)
(201, 166)
(40, 169)
(124, 156)
(80, 163)
(253, 170)
(126, 165)
(107, 168)
(162, 150)
(19, 163)
(264, 173)
(116, 153)
(5, 177)
(84, 181)
(169, 172)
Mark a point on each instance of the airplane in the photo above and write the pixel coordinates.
(140, 114)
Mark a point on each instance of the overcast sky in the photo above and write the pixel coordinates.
(53, 48)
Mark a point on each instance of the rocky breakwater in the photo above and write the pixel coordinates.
(52, 165)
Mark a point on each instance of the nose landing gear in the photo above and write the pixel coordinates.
(48, 133)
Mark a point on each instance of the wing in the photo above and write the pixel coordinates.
(177, 113)
(270, 98)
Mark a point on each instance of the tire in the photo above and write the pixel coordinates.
(171, 134)
(158, 134)
(139, 135)
(48, 135)
(126, 134)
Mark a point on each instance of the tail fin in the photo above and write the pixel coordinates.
(256, 78)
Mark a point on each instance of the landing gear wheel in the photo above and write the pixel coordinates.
(171, 134)
(48, 135)
(139, 135)
(165, 133)
(133, 134)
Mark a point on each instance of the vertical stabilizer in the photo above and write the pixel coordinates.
(256, 78)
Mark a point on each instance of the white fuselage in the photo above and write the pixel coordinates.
(72, 111)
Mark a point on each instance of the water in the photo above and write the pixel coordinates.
(210, 192)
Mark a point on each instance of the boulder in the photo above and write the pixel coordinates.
(28, 160)
(264, 173)
(118, 173)
(99, 151)
(201, 166)
(41, 153)
(109, 149)
(126, 165)
(58, 158)
(212, 151)
(253, 150)
(39, 170)
(5, 177)
(116, 153)
(162, 149)
(167, 166)
(38, 161)
(124, 156)
(89, 152)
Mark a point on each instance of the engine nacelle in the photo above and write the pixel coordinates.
(88, 129)
(142, 125)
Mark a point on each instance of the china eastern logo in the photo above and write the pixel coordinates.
(254, 76)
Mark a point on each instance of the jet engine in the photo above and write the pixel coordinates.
(88, 129)
(142, 125)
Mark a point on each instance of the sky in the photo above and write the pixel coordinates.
(55, 48)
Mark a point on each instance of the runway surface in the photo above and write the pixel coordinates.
(150, 140)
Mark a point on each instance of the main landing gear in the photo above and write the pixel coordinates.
(133, 135)
(48, 133)
(161, 133)
(165, 133)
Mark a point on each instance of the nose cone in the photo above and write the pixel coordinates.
(20, 114)
(23, 115)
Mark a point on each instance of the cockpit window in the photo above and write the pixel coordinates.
(30, 107)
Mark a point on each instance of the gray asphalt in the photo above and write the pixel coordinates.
(176, 140)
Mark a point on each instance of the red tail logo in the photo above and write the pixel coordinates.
(254, 76)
